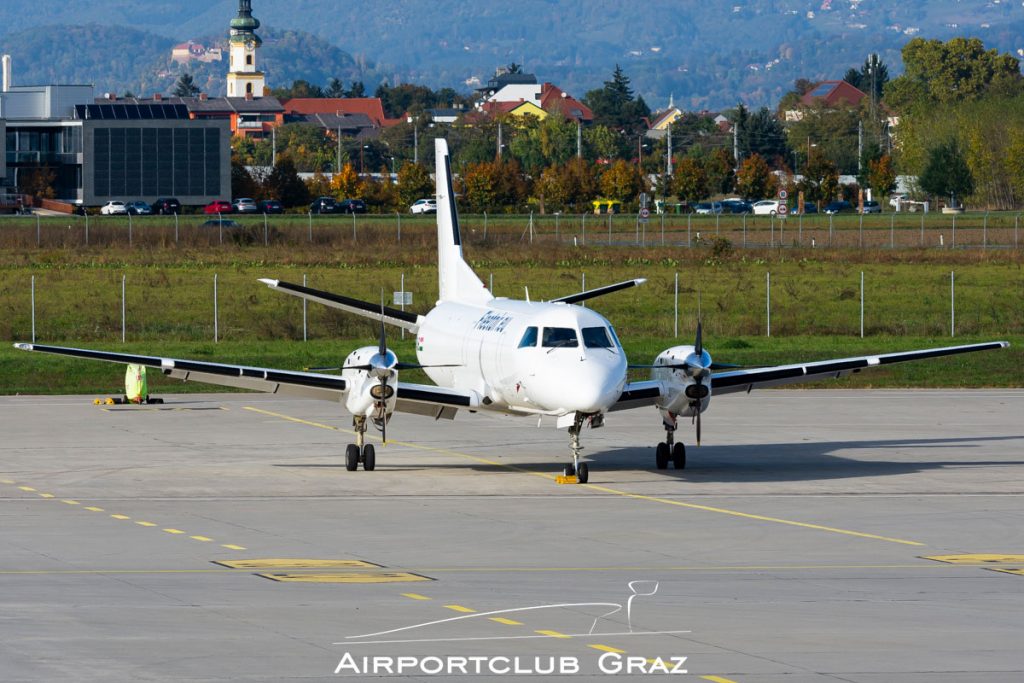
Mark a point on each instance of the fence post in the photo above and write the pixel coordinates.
(984, 232)
(266, 235)
(1016, 224)
(531, 227)
(830, 230)
(717, 217)
(862, 304)
(675, 323)
(922, 228)
(771, 233)
(689, 243)
(800, 230)
(305, 328)
(491, 288)
(216, 331)
(86, 228)
(662, 229)
(403, 301)
(556, 226)
(744, 231)
(220, 226)
(892, 231)
(33, 309)
(952, 303)
(583, 286)
(768, 300)
(39, 230)
(399, 217)
(609, 226)
(310, 239)
(485, 226)
(130, 229)
(953, 240)
(584, 227)
(860, 235)
(175, 228)
(353, 227)
(123, 308)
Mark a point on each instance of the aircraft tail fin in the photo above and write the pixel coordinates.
(457, 281)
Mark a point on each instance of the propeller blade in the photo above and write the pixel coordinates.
(699, 345)
(418, 366)
(698, 423)
(384, 422)
(322, 369)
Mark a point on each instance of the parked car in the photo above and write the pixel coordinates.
(270, 206)
(114, 208)
(708, 208)
(838, 207)
(737, 206)
(766, 207)
(218, 206)
(324, 205)
(139, 208)
(810, 207)
(221, 223)
(166, 206)
(352, 206)
(245, 205)
(872, 207)
(424, 206)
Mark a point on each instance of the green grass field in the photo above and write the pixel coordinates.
(815, 303)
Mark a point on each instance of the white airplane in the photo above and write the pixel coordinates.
(496, 355)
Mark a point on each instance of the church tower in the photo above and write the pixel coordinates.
(243, 77)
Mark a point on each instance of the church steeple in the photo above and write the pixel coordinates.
(244, 79)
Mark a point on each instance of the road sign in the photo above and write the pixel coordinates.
(783, 195)
(403, 298)
(783, 209)
(645, 212)
(643, 199)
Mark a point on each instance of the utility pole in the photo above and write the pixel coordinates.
(860, 147)
(499, 140)
(415, 143)
(668, 159)
(736, 143)
(273, 146)
(579, 139)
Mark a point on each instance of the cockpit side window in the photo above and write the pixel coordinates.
(561, 337)
(596, 338)
(529, 339)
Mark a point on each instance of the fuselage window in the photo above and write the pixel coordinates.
(596, 338)
(560, 337)
(529, 339)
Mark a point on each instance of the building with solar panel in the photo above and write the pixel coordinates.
(101, 151)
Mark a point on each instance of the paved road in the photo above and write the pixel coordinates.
(790, 550)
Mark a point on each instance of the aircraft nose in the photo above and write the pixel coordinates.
(583, 387)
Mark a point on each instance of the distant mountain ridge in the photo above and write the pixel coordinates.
(708, 54)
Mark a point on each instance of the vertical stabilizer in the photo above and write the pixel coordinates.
(457, 281)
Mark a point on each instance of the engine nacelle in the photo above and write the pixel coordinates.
(367, 395)
(687, 381)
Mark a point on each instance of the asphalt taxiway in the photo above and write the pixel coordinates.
(219, 537)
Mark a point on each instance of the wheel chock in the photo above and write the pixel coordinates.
(111, 401)
(97, 401)
(563, 479)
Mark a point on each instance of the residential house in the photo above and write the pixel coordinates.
(831, 94)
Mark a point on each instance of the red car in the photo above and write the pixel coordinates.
(218, 206)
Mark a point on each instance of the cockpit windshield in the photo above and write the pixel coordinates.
(560, 337)
(597, 338)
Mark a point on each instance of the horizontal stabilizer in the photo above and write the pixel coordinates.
(392, 316)
(600, 291)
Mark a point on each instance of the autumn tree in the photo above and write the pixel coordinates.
(821, 178)
(947, 173)
(690, 180)
(346, 183)
(621, 181)
(413, 183)
(882, 175)
(581, 183)
(551, 190)
(754, 179)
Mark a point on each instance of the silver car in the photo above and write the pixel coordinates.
(245, 205)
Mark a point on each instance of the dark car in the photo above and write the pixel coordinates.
(324, 205)
(872, 207)
(139, 208)
(352, 206)
(810, 207)
(221, 223)
(166, 206)
(838, 207)
(270, 206)
(737, 206)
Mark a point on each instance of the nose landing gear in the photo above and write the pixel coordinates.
(667, 450)
(580, 469)
(360, 452)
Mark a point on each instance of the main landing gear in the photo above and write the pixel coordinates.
(360, 452)
(668, 451)
(580, 469)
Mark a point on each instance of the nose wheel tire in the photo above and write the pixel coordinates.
(678, 456)
(352, 457)
(582, 473)
(661, 455)
(369, 458)
(569, 471)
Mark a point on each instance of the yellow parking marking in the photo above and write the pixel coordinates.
(460, 608)
(71, 502)
(145, 523)
(507, 622)
(231, 546)
(978, 558)
(718, 679)
(45, 495)
(26, 488)
(553, 634)
(606, 648)
(93, 509)
(604, 489)
(293, 563)
(174, 531)
(347, 577)
(1018, 572)
(204, 539)
(6, 481)
(416, 596)
(120, 516)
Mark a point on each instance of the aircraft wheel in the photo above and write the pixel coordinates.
(661, 456)
(369, 458)
(352, 457)
(569, 470)
(679, 456)
(582, 473)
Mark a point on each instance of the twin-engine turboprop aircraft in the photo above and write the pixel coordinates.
(499, 355)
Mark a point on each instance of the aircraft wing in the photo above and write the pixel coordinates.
(287, 382)
(746, 380)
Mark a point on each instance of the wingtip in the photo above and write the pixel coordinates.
(269, 282)
(640, 280)
(21, 346)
